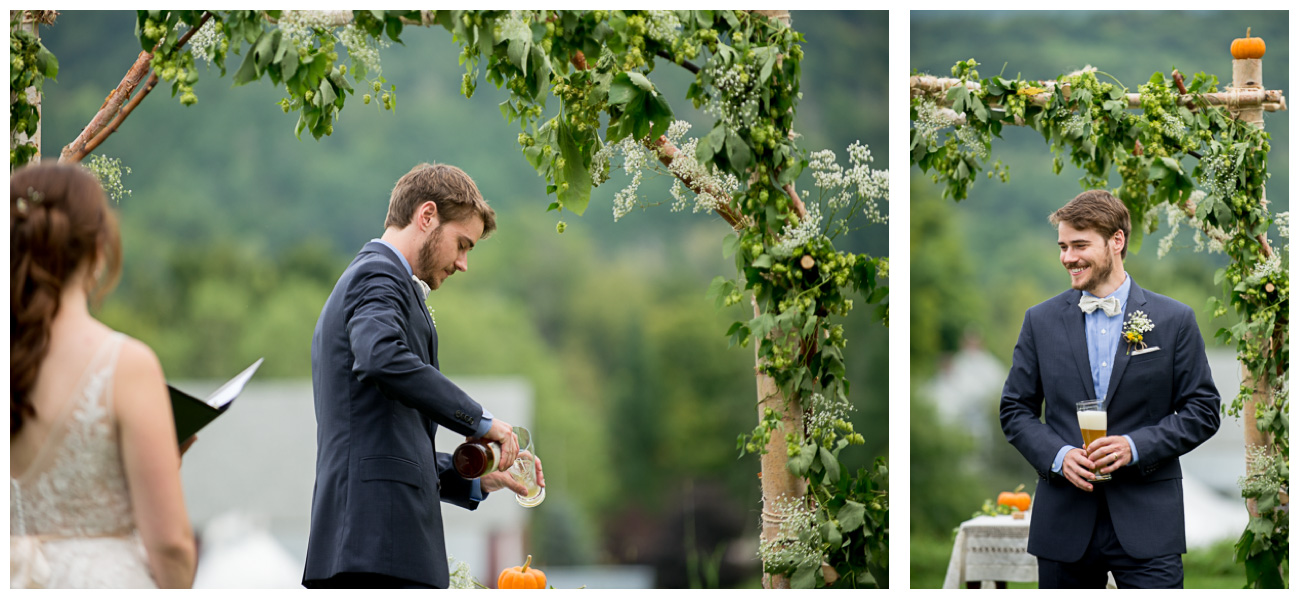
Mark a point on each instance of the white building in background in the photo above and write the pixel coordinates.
(967, 389)
(248, 486)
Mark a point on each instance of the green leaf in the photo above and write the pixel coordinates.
(801, 462)
(767, 58)
(47, 63)
(659, 113)
(1222, 213)
(738, 152)
(981, 111)
(831, 464)
(831, 535)
(791, 173)
(730, 244)
(247, 70)
(639, 81)
(578, 194)
(805, 577)
(533, 154)
(541, 78)
(327, 94)
(394, 29)
(711, 145)
(852, 515)
(761, 325)
(517, 52)
(288, 64)
(718, 290)
(623, 91)
(764, 261)
(264, 49)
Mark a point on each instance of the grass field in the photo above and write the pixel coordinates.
(1204, 568)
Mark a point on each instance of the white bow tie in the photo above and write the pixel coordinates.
(1108, 305)
(424, 287)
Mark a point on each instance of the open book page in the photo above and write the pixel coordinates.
(231, 389)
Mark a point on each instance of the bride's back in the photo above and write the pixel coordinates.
(65, 465)
(95, 494)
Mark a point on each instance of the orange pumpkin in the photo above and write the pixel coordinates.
(1247, 47)
(1018, 500)
(522, 578)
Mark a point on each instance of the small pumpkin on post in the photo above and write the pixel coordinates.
(1248, 73)
(522, 578)
(1247, 47)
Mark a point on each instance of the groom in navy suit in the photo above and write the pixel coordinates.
(380, 398)
(1160, 403)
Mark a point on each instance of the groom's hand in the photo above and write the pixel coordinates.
(1078, 469)
(502, 433)
(1110, 453)
(500, 479)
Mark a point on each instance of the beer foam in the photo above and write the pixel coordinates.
(1093, 419)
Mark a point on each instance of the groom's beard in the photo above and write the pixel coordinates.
(428, 269)
(1100, 273)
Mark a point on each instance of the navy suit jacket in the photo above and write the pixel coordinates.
(379, 401)
(1165, 400)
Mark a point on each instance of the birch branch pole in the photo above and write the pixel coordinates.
(1233, 98)
(30, 20)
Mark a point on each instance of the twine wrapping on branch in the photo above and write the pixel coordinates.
(1269, 100)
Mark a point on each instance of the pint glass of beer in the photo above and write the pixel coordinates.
(1092, 421)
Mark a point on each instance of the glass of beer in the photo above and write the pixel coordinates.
(525, 471)
(1092, 421)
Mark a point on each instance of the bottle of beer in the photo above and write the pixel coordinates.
(476, 458)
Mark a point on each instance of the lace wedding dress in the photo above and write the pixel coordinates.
(70, 516)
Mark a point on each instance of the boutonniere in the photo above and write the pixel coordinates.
(431, 319)
(1137, 324)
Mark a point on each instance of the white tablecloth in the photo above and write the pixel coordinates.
(991, 549)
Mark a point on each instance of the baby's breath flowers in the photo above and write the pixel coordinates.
(711, 187)
(796, 234)
(796, 544)
(109, 171)
(363, 50)
(1137, 325)
(930, 120)
(460, 577)
(208, 40)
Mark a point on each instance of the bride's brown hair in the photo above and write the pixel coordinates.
(59, 221)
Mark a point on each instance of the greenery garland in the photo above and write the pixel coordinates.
(1221, 195)
(597, 65)
(30, 63)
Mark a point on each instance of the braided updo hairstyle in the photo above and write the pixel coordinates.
(59, 221)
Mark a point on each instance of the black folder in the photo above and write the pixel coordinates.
(192, 414)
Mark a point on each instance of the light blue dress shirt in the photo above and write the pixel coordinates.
(1102, 333)
(484, 424)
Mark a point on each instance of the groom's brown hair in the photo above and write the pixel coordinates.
(1098, 211)
(448, 187)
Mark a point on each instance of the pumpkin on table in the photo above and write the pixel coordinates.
(522, 578)
(1017, 500)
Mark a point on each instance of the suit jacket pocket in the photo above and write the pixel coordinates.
(1147, 357)
(390, 468)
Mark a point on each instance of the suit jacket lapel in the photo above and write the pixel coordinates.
(1072, 319)
(421, 306)
(1136, 300)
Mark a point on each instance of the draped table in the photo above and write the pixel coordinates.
(991, 548)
